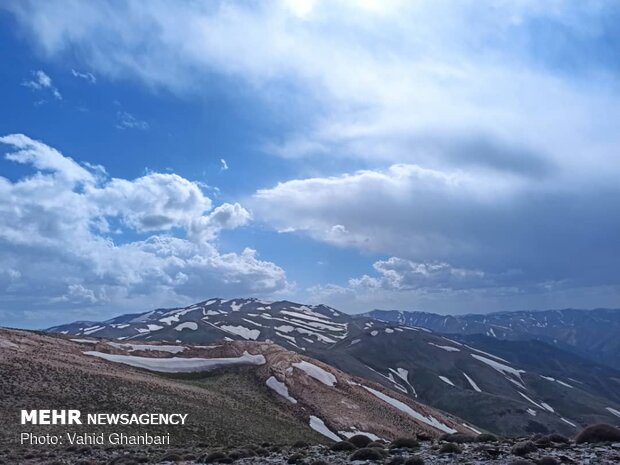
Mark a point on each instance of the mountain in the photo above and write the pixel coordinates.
(593, 334)
(234, 392)
(505, 387)
(481, 386)
(286, 323)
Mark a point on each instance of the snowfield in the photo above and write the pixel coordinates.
(446, 380)
(430, 420)
(472, 383)
(178, 364)
(353, 432)
(192, 326)
(242, 331)
(316, 372)
(446, 348)
(505, 369)
(280, 388)
(319, 426)
(613, 411)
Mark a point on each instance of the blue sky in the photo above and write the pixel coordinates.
(446, 156)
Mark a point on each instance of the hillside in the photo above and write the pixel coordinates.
(507, 389)
(234, 392)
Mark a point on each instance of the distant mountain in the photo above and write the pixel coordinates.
(286, 323)
(508, 387)
(233, 392)
(594, 334)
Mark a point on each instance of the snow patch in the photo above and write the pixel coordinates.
(446, 348)
(505, 369)
(178, 364)
(280, 388)
(446, 380)
(319, 426)
(568, 422)
(350, 434)
(472, 383)
(613, 411)
(316, 372)
(192, 326)
(429, 420)
(242, 331)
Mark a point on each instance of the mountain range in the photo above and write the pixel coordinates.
(508, 386)
(594, 334)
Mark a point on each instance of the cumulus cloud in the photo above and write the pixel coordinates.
(42, 82)
(456, 231)
(490, 148)
(59, 248)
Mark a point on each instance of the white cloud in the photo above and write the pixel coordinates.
(502, 138)
(88, 77)
(41, 81)
(455, 231)
(400, 274)
(223, 165)
(58, 249)
(392, 81)
(125, 120)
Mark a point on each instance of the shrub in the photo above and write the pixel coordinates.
(398, 460)
(240, 453)
(449, 448)
(598, 433)
(261, 451)
(166, 458)
(300, 444)
(422, 436)
(360, 440)
(343, 445)
(523, 448)
(558, 438)
(543, 442)
(458, 438)
(376, 445)
(295, 458)
(215, 457)
(415, 461)
(548, 461)
(404, 443)
(486, 437)
(366, 453)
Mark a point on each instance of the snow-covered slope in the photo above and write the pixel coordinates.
(286, 323)
(504, 387)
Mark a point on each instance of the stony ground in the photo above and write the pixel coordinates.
(430, 452)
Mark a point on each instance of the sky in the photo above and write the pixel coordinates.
(452, 157)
